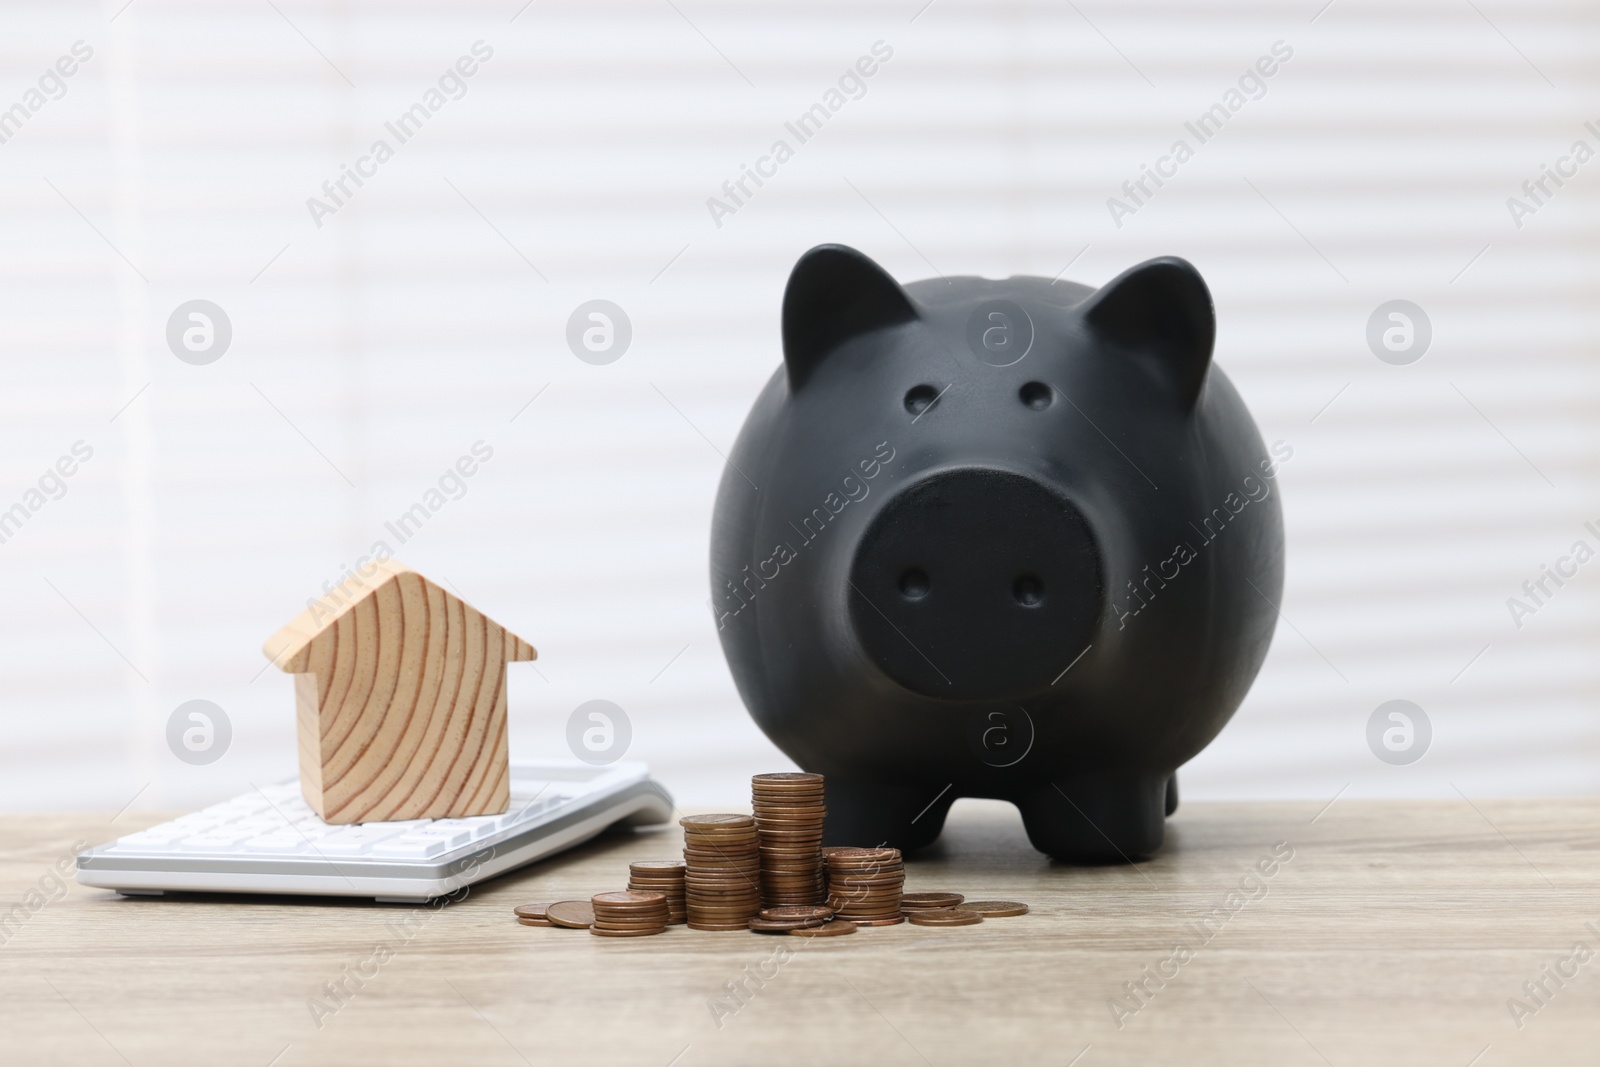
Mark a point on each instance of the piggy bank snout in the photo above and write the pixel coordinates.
(976, 584)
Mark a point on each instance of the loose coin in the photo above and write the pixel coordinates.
(930, 900)
(944, 917)
(995, 909)
(530, 911)
(573, 914)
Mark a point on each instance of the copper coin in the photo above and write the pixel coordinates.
(627, 933)
(797, 911)
(631, 911)
(996, 909)
(720, 876)
(629, 899)
(849, 854)
(655, 868)
(831, 928)
(787, 777)
(944, 917)
(695, 924)
(573, 914)
(864, 892)
(931, 900)
(529, 911)
(535, 922)
(734, 887)
(894, 920)
(782, 926)
(695, 851)
(713, 822)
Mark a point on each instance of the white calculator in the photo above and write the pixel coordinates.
(270, 841)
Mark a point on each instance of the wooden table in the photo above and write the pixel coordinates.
(1386, 932)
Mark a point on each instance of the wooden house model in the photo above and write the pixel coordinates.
(400, 696)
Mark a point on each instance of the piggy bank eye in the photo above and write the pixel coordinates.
(921, 398)
(1036, 395)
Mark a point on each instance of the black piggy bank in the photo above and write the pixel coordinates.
(1014, 539)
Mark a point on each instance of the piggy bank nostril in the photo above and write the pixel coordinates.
(1036, 395)
(1028, 590)
(914, 584)
(920, 398)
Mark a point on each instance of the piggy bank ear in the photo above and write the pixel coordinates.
(835, 293)
(1159, 311)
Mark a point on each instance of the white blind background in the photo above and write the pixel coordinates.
(372, 352)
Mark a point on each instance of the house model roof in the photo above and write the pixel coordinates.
(291, 648)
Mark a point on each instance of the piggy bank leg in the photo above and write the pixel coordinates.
(870, 814)
(1172, 794)
(1097, 818)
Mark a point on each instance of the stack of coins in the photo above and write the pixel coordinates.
(629, 914)
(661, 876)
(722, 880)
(910, 902)
(789, 812)
(864, 885)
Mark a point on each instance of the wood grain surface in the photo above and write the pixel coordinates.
(1387, 933)
(400, 694)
